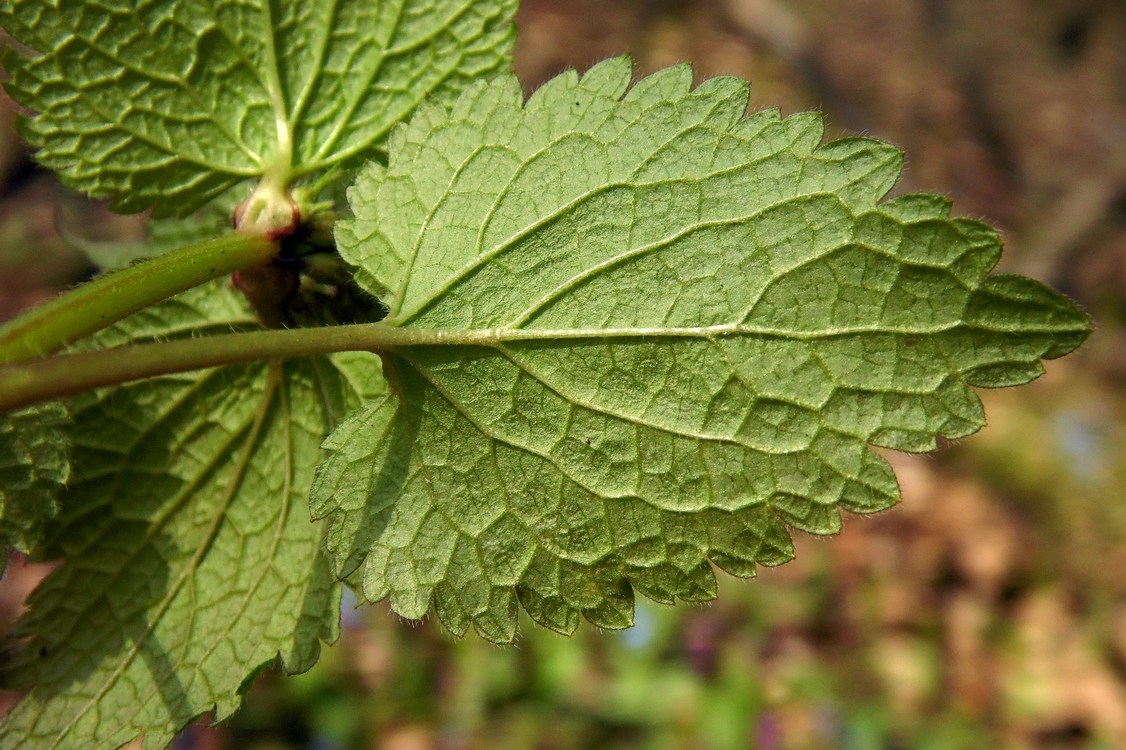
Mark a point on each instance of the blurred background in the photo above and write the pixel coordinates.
(987, 611)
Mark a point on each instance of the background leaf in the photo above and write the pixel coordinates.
(34, 467)
(667, 333)
(190, 560)
(167, 104)
(162, 236)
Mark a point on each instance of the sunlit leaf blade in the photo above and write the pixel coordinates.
(190, 562)
(34, 467)
(670, 333)
(165, 104)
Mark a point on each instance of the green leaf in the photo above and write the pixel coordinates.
(190, 560)
(651, 332)
(34, 467)
(166, 104)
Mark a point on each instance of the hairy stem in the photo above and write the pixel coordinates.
(110, 297)
(27, 383)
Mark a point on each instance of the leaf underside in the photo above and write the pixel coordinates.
(167, 103)
(190, 561)
(672, 333)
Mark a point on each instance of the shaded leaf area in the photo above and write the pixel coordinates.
(671, 333)
(34, 467)
(190, 562)
(167, 104)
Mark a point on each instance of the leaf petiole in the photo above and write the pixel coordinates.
(107, 299)
(25, 383)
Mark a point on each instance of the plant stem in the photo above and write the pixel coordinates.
(108, 298)
(27, 383)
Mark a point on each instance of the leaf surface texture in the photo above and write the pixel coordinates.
(34, 468)
(167, 103)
